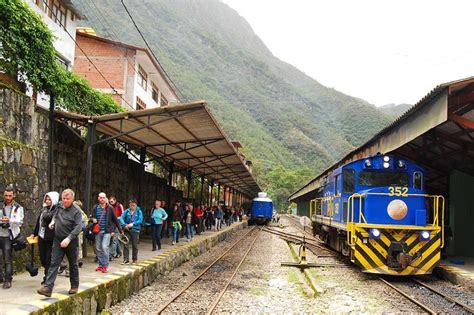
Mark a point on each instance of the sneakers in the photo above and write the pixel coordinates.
(105, 270)
(173, 242)
(7, 285)
(99, 268)
(188, 240)
(125, 262)
(45, 291)
(73, 290)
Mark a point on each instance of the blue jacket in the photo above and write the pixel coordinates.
(159, 215)
(126, 218)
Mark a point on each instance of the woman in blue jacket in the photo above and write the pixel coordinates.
(158, 215)
(131, 220)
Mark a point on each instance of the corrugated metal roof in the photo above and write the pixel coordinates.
(187, 134)
(415, 108)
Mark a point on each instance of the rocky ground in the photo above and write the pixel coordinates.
(263, 286)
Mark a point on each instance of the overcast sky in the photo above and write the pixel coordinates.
(381, 51)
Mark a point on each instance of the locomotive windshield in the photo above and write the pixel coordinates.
(382, 179)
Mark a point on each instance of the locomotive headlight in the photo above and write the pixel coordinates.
(386, 164)
(386, 158)
(401, 164)
(374, 233)
(368, 163)
(424, 235)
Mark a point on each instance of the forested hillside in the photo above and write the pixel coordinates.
(291, 126)
(395, 110)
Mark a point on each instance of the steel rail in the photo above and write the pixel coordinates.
(412, 299)
(294, 237)
(186, 287)
(221, 294)
(444, 295)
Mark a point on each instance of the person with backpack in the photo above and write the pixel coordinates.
(11, 219)
(105, 221)
(115, 250)
(218, 214)
(131, 220)
(158, 216)
(43, 232)
(176, 223)
(209, 217)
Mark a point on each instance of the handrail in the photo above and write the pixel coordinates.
(438, 205)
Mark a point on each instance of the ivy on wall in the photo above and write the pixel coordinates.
(26, 47)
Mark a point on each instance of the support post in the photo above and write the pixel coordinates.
(189, 178)
(218, 193)
(209, 204)
(225, 195)
(202, 191)
(51, 144)
(142, 176)
(168, 191)
(88, 183)
(90, 148)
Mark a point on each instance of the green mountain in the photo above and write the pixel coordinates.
(395, 110)
(291, 126)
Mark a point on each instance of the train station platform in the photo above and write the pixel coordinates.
(459, 270)
(100, 290)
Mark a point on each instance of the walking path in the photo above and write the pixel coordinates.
(23, 299)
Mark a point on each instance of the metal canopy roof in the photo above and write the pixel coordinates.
(187, 134)
(435, 132)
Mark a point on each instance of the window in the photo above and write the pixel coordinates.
(142, 77)
(348, 181)
(155, 92)
(163, 100)
(418, 180)
(59, 15)
(382, 179)
(336, 185)
(64, 63)
(140, 104)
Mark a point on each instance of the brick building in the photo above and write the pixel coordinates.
(134, 73)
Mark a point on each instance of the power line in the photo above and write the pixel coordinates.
(93, 64)
(149, 48)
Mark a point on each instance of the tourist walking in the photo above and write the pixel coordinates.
(209, 217)
(131, 220)
(191, 220)
(218, 214)
(11, 219)
(105, 222)
(176, 223)
(158, 216)
(67, 226)
(43, 232)
(115, 250)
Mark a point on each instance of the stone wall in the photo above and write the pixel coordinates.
(24, 162)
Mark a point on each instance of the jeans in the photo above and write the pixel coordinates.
(189, 231)
(218, 223)
(157, 228)
(115, 248)
(57, 255)
(45, 249)
(132, 239)
(102, 243)
(175, 234)
(6, 247)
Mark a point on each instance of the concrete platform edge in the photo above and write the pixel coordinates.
(455, 275)
(93, 300)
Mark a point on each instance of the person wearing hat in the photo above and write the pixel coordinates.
(46, 235)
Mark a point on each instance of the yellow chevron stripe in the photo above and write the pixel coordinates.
(362, 261)
(369, 252)
(428, 252)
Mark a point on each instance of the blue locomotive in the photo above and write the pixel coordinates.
(261, 211)
(376, 211)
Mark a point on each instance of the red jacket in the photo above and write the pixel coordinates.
(118, 208)
(198, 212)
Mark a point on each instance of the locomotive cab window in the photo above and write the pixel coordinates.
(348, 181)
(383, 178)
(336, 185)
(417, 180)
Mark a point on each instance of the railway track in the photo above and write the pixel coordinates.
(252, 233)
(429, 298)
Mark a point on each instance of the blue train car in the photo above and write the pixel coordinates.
(261, 211)
(377, 212)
